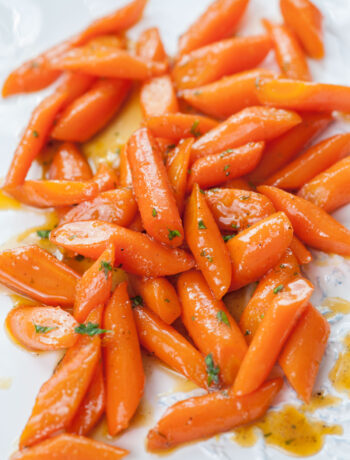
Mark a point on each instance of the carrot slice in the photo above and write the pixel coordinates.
(158, 97)
(301, 253)
(105, 178)
(34, 272)
(149, 45)
(124, 169)
(69, 164)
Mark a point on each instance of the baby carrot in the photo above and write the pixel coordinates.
(302, 254)
(239, 183)
(125, 177)
(69, 164)
(149, 45)
(158, 97)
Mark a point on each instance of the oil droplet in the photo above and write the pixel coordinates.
(340, 373)
(245, 436)
(7, 202)
(236, 301)
(336, 305)
(320, 400)
(5, 383)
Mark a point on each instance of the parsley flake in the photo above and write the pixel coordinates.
(222, 317)
(244, 197)
(154, 212)
(173, 233)
(207, 256)
(43, 329)
(43, 233)
(35, 133)
(201, 224)
(136, 301)
(228, 237)
(212, 370)
(89, 329)
(247, 332)
(194, 129)
(278, 289)
(106, 267)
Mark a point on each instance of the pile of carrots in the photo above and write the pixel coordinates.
(182, 243)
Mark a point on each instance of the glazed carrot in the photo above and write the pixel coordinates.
(36, 273)
(115, 206)
(273, 331)
(153, 192)
(303, 95)
(123, 363)
(203, 416)
(95, 285)
(105, 178)
(69, 164)
(312, 162)
(303, 17)
(211, 327)
(136, 224)
(70, 447)
(212, 62)
(158, 97)
(311, 224)
(149, 45)
(108, 41)
(278, 152)
(330, 189)
(235, 210)
(160, 296)
(302, 354)
(252, 124)
(206, 243)
(85, 116)
(124, 168)
(176, 126)
(218, 21)
(216, 169)
(239, 183)
(258, 248)
(73, 85)
(289, 55)
(301, 253)
(228, 95)
(170, 346)
(59, 398)
(42, 328)
(136, 252)
(177, 168)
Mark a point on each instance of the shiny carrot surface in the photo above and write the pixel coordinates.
(302, 254)
(69, 164)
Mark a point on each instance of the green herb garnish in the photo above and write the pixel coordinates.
(212, 370)
(90, 329)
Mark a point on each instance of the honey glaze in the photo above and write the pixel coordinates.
(5, 383)
(7, 202)
(236, 301)
(340, 373)
(336, 305)
(320, 400)
(245, 436)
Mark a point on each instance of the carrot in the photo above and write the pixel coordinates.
(123, 363)
(235, 210)
(212, 62)
(36, 273)
(176, 126)
(69, 164)
(312, 162)
(149, 45)
(88, 114)
(95, 285)
(136, 252)
(203, 416)
(158, 97)
(272, 333)
(124, 168)
(42, 328)
(258, 248)
(301, 253)
(70, 447)
(229, 95)
(303, 95)
(330, 189)
(59, 398)
(302, 354)
(211, 327)
(154, 196)
(278, 152)
(252, 124)
(160, 296)
(289, 55)
(206, 243)
(216, 169)
(306, 21)
(170, 346)
(311, 224)
(73, 85)
(239, 183)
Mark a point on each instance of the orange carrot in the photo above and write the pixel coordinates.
(69, 164)
(105, 178)
(301, 253)
(149, 45)
(239, 183)
(158, 97)
(124, 168)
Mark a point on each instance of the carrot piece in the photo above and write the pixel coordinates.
(177, 168)
(312, 162)
(218, 21)
(228, 95)
(289, 55)
(235, 210)
(36, 273)
(252, 124)
(302, 354)
(105, 178)
(216, 169)
(301, 253)
(206, 243)
(212, 62)
(73, 85)
(153, 192)
(170, 346)
(304, 95)
(59, 398)
(123, 363)
(88, 114)
(211, 327)
(138, 253)
(283, 149)
(271, 335)
(258, 248)
(70, 447)
(160, 296)
(330, 189)
(125, 176)
(303, 17)
(311, 224)
(149, 45)
(176, 126)
(69, 164)
(203, 416)
(239, 183)
(95, 285)
(158, 97)
(42, 328)
(108, 41)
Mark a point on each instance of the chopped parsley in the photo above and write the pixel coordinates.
(106, 267)
(43, 233)
(244, 197)
(35, 133)
(278, 289)
(201, 224)
(173, 233)
(207, 256)
(247, 332)
(228, 237)
(227, 173)
(154, 212)
(194, 129)
(43, 329)
(212, 370)
(167, 300)
(90, 329)
(222, 317)
(136, 301)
